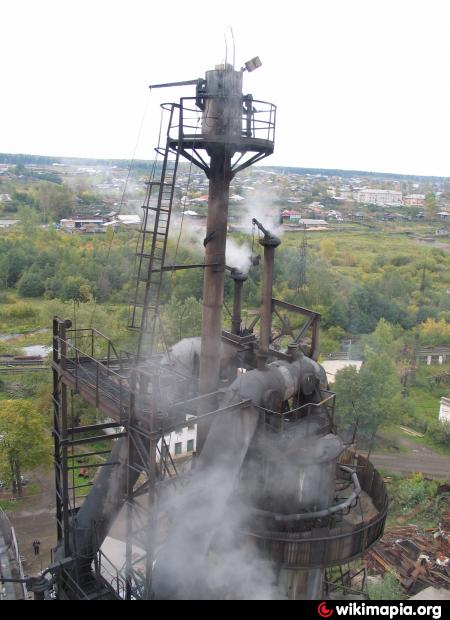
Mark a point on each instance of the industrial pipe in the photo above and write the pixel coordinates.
(319, 514)
(221, 130)
(269, 243)
(182, 562)
(238, 278)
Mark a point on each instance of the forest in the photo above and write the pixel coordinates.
(374, 285)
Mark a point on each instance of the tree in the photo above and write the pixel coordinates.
(371, 397)
(55, 201)
(433, 333)
(76, 289)
(430, 205)
(385, 340)
(182, 320)
(31, 285)
(24, 442)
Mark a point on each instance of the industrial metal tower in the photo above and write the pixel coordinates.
(262, 407)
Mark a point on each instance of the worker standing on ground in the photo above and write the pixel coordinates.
(36, 545)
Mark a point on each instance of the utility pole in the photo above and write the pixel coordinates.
(302, 262)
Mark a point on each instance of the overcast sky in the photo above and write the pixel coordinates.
(359, 84)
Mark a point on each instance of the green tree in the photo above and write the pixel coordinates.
(430, 205)
(385, 340)
(182, 320)
(370, 397)
(24, 443)
(31, 285)
(76, 288)
(55, 201)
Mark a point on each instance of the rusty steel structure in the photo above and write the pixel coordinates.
(266, 439)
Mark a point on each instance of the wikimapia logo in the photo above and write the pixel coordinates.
(375, 609)
(323, 610)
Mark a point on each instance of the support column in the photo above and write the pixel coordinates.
(238, 278)
(269, 243)
(213, 282)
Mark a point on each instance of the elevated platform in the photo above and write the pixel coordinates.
(318, 542)
(242, 145)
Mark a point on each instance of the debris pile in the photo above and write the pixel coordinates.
(417, 557)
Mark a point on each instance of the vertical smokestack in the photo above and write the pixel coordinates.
(238, 278)
(269, 243)
(221, 131)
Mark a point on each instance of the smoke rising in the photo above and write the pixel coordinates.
(204, 556)
(238, 256)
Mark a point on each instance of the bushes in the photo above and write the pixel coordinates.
(19, 311)
(439, 432)
(30, 285)
(412, 491)
(386, 589)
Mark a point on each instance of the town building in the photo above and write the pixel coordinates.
(414, 200)
(295, 219)
(83, 225)
(382, 197)
(8, 223)
(182, 443)
(433, 355)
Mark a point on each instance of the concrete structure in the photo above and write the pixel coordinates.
(334, 366)
(10, 563)
(414, 200)
(8, 223)
(444, 410)
(294, 218)
(431, 594)
(182, 442)
(128, 221)
(433, 355)
(83, 225)
(382, 197)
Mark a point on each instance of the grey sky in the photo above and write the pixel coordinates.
(358, 84)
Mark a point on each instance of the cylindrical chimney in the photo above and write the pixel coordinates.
(269, 243)
(238, 278)
(222, 115)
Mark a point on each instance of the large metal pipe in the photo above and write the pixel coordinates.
(108, 495)
(238, 278)
(269, 242)
(221, 130)
(182, 562)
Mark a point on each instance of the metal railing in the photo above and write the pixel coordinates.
(89, 341)
(330, 545)
(107, 571)
(276, 420)
(255, 122)
(103, 377)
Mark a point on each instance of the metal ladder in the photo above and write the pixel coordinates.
(151, 250)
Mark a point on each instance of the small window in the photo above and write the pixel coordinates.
(178, 447)
(190, 445)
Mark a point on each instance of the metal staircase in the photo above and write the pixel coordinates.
(151, 249)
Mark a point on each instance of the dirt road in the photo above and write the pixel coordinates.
(36, 520)
(418, 459)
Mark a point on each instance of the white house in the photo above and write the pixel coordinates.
(183, 442)
(383, 197)
(444, 410)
